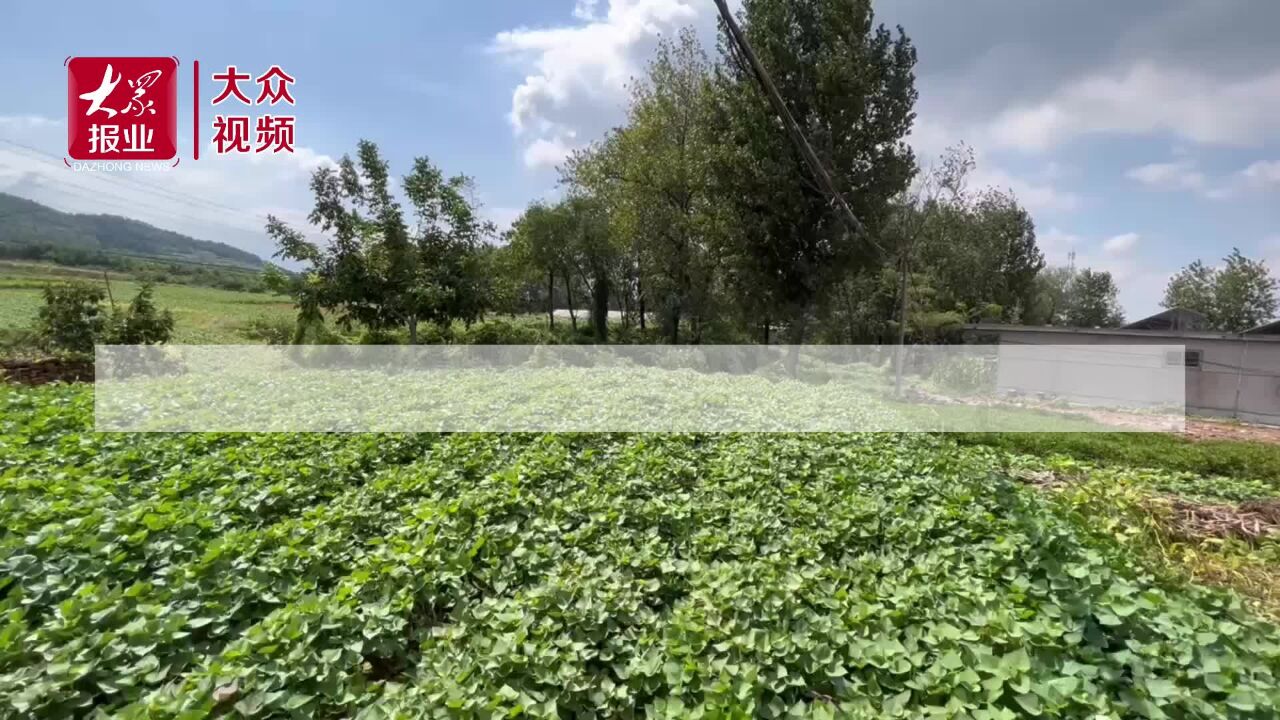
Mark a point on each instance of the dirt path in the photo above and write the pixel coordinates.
(1214, 430)
(1194, 428)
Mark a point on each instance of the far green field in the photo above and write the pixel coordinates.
(201, 315)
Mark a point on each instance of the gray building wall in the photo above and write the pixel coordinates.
(1237, 377)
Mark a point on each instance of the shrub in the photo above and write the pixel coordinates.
(964, 374)
(431, 334)
(935, 327)
(270, 331)
(379, 337)
(141, 323)
(71, 319)
(501, 332)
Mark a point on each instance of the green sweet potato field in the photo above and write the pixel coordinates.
(496, 576)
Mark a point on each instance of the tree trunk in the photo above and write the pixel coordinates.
(551, 299)
(849, 314)
(795, 338)
(640, 300)
(766, 331)
(900, 351)
(568, 290)
(600, 307)
(626, 306)
(413, 329)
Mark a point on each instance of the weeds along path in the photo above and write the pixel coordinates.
(1216, 529)
(574, 575)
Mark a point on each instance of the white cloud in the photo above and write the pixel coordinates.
(1148, 98)
(501, 217)
(1177, 175)
(21, 123)
(1118, 245)
(585, 9)
(1039, 192)
(930, 140)
(1262, 172)
(1269, 249)
(1057, 245)
(1182, 175)
(546, 153)
(1038, 197)
(577, 74)
(1141, 288)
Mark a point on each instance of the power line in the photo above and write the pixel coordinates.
(157, 259)
(200, 205)
(203, 210)
(844, 212)
(127, 205)
(130, 205)
(169, 192)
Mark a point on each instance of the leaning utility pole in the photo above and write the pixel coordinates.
(851, 222)
(793, 128)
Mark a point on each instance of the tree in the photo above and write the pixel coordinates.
(1093, 301)
(1192, 289)
(514, 284)
(1244, 293)
(1240, 295)
(447, 278)
(915, 211)
(650, 175)
(851, 88)
(978, 246)
(360, 272)
(1008, 238)
(1050, 297)
(372, 270)
(540, 237)
(968, 253)
(593, 256)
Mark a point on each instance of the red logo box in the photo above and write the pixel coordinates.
(122, 108)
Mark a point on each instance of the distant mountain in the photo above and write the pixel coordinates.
(25, 223)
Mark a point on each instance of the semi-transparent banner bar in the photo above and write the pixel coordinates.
(623, 388)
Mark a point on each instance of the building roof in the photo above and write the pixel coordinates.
(1171, 323)
(1124, 332)
(1268, 328)
(1171, 319)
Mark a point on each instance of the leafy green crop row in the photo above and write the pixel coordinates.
(1254, 461)
(152, 576)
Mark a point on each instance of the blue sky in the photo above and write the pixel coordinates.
(1141, 135)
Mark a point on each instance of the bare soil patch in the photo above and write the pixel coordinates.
(1212, 430)
(40, 372)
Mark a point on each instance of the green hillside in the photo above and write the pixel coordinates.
(27, 226)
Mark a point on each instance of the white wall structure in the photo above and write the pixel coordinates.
(1227, 375)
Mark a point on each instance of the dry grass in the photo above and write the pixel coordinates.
(1228, 545)
(1252, 573)
(1251, 521)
